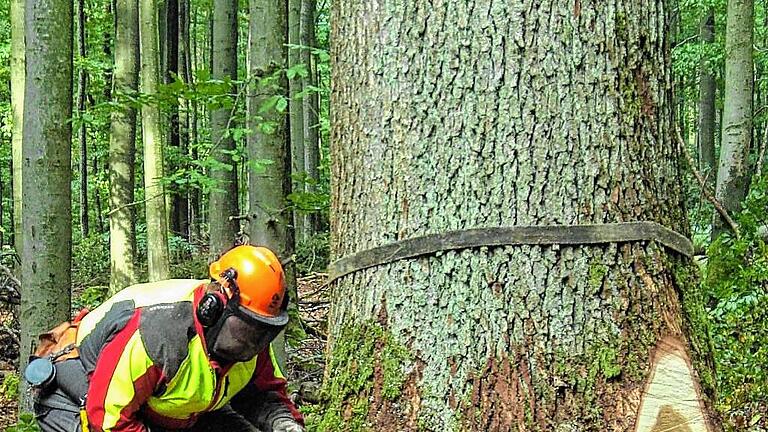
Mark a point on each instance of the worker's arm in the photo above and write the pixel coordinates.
(124, 378)
(265, 400)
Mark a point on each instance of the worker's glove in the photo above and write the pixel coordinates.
(286, 425)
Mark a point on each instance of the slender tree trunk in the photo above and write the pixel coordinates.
(97, 194)
(296, 112)
(12, 210)
(184, 129)
(122, 149)
(157, 229)
(732, 171)
(474, 115)
(46, 155)
(311, 107)
(707, 88)
(106, 47)
(162, 19)
(172, 64)
(270, 222)
(17, 112)
(2, 207)
(223, 199)
(195, 210)
(81, 133)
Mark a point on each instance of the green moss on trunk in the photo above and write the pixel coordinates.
(366, 369)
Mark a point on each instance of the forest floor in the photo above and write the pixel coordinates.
(306, 359)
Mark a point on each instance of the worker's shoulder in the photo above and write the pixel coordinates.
(165, 291)
(166, 331)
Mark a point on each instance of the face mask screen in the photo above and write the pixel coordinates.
(239, 337)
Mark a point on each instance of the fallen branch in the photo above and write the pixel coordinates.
(703, 185)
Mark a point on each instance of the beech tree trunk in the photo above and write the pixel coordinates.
(184, 118)
(310, 108)
(47, 172)
(122, 149)
(270, 183)
(157, 228)
(476, 114)
(296, 112)
(171, 64)
(223, 199)
(17, 112)
(707, 87)
(733, 169)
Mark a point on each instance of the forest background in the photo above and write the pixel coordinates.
(205, 125)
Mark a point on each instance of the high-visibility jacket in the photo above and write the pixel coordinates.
(146, 358)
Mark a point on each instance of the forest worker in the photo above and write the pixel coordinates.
(180, 355)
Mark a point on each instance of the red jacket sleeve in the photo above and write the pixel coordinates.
(124, 378)
(268, 378)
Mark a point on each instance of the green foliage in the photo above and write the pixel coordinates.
(90, 261)
(90, 297)
(26, 423)
(736, 286)
(313, 254)
(191, 264)
(9, 389)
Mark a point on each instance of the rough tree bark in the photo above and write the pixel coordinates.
(269, 184)
(482, 114)
(122, 149)
(707, 88)
(46, 159)
(223, 199)
(733, 168)
(149, 76)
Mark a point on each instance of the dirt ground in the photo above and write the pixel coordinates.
(306, 360)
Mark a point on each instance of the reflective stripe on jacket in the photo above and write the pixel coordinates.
(145, 355)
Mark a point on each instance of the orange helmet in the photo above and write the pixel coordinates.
(259, 277)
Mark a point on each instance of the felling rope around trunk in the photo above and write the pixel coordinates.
(508, 236)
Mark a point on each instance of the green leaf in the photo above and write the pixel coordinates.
(282, 105)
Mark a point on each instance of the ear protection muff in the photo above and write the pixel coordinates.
(211, 307)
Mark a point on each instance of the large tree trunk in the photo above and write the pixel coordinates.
(707, 87)
(310, 108)
(223, 200)
(17, 112)
(270, 184)
(122, 149)
(47, 146)
(296, 112)
(81, 132)
(157, 228)
(521, 113)
(733, 169)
